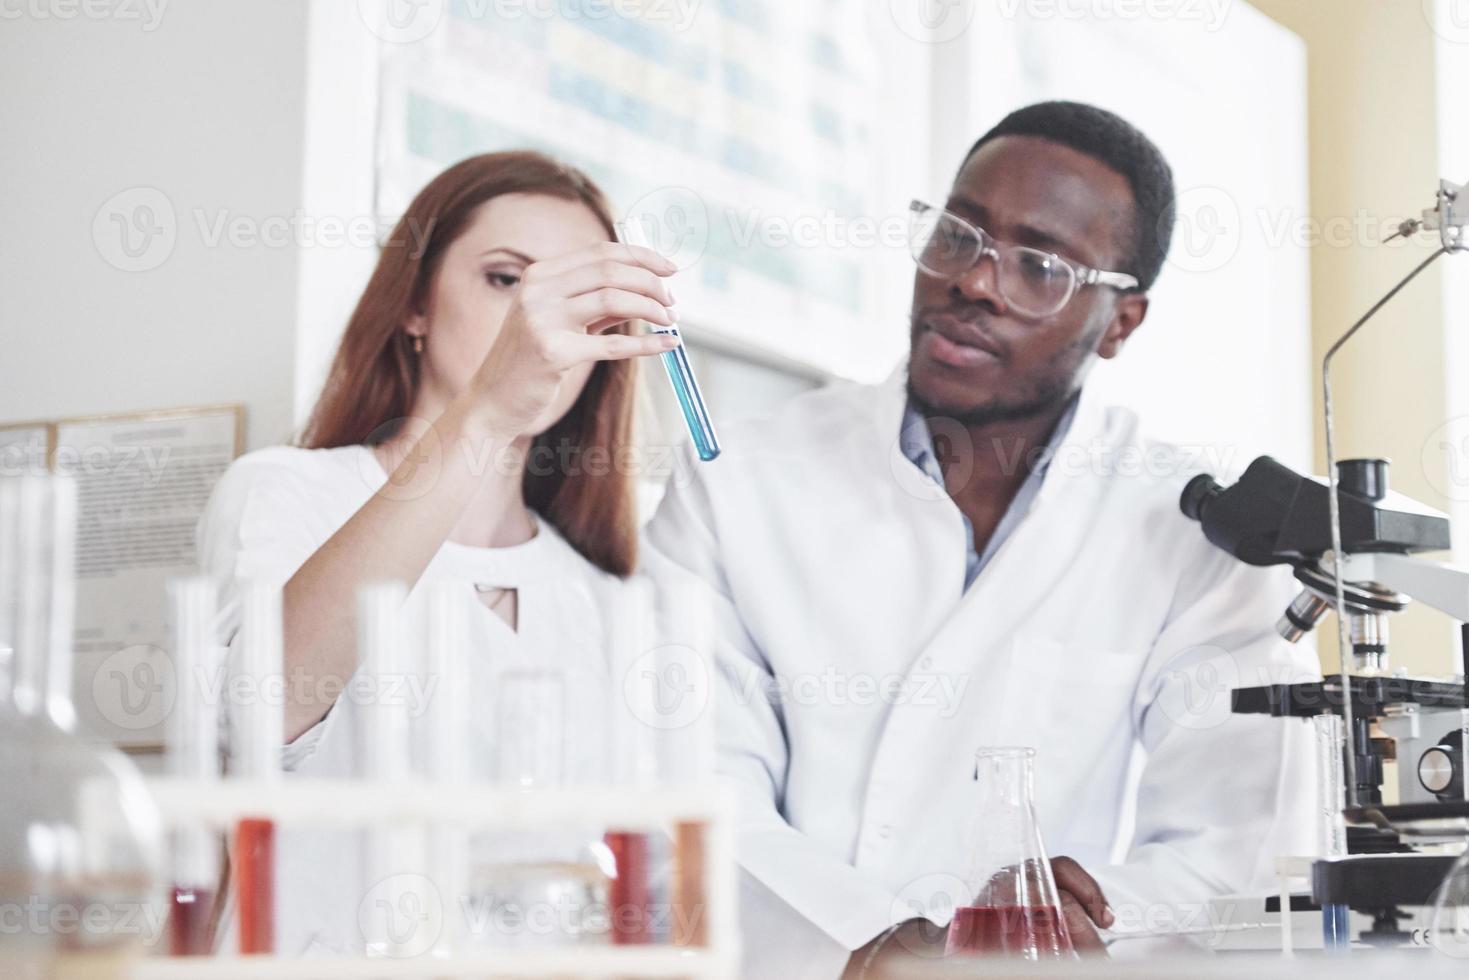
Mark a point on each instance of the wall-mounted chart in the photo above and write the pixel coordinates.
(742, 137)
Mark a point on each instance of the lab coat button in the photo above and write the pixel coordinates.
(885, 831)
(926, 663)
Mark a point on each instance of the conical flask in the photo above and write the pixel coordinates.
(80, 838)
(1013, 907)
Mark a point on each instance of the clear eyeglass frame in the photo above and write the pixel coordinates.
(1031, 281)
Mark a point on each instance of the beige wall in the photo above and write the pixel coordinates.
(1372, 109)
(1373, 151)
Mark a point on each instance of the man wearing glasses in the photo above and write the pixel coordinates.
(977, 554)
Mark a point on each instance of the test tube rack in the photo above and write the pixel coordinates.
(356, 804)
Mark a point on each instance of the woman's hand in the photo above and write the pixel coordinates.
(556, 322)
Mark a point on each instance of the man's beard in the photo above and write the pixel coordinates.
(1046, 397)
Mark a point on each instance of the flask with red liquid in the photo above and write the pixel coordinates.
(1014, 908)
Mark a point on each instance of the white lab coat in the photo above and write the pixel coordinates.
(1104, 633)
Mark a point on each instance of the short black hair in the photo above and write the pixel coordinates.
(1119, 144)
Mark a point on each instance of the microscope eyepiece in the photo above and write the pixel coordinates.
(1199, 493)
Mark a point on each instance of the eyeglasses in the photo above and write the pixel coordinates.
(1031, 281)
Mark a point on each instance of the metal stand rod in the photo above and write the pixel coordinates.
(1333, 501)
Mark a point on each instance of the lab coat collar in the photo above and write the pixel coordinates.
(1082, 440)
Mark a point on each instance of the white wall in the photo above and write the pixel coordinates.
(204, 107)
(1222, 362)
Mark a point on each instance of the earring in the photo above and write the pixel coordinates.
(418, 343)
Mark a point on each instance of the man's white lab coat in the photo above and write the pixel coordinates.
(856, 678)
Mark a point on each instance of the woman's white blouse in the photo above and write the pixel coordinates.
(269, 513)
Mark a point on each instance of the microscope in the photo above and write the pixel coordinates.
(1354, 546)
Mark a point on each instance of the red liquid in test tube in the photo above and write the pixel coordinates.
(631, 893)
(188, 921)
(254, 863)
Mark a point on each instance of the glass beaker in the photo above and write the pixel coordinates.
(549, 886)
(80, 837)
(1014, 908)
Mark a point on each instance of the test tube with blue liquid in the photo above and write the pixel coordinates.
(676, 361)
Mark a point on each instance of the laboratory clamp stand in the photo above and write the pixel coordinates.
(1354, 544)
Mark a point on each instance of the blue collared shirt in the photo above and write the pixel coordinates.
(916, 443)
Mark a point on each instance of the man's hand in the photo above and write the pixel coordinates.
(1083, 905)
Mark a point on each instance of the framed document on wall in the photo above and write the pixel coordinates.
(143, 479)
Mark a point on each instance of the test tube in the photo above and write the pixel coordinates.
(447, 733)
(1330, 785)
(258, 747)
(9, 563)
(45, 515)
(690, 396)
(691, 630)
(680, 371)
(634, 764)
(193, 754)
(383, 652)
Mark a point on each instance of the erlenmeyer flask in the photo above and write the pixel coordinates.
(1013, 908)
(80, 838)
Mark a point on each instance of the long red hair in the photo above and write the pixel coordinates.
(374, 376)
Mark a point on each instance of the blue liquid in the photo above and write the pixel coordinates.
(690, 398)
(1335, 929)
